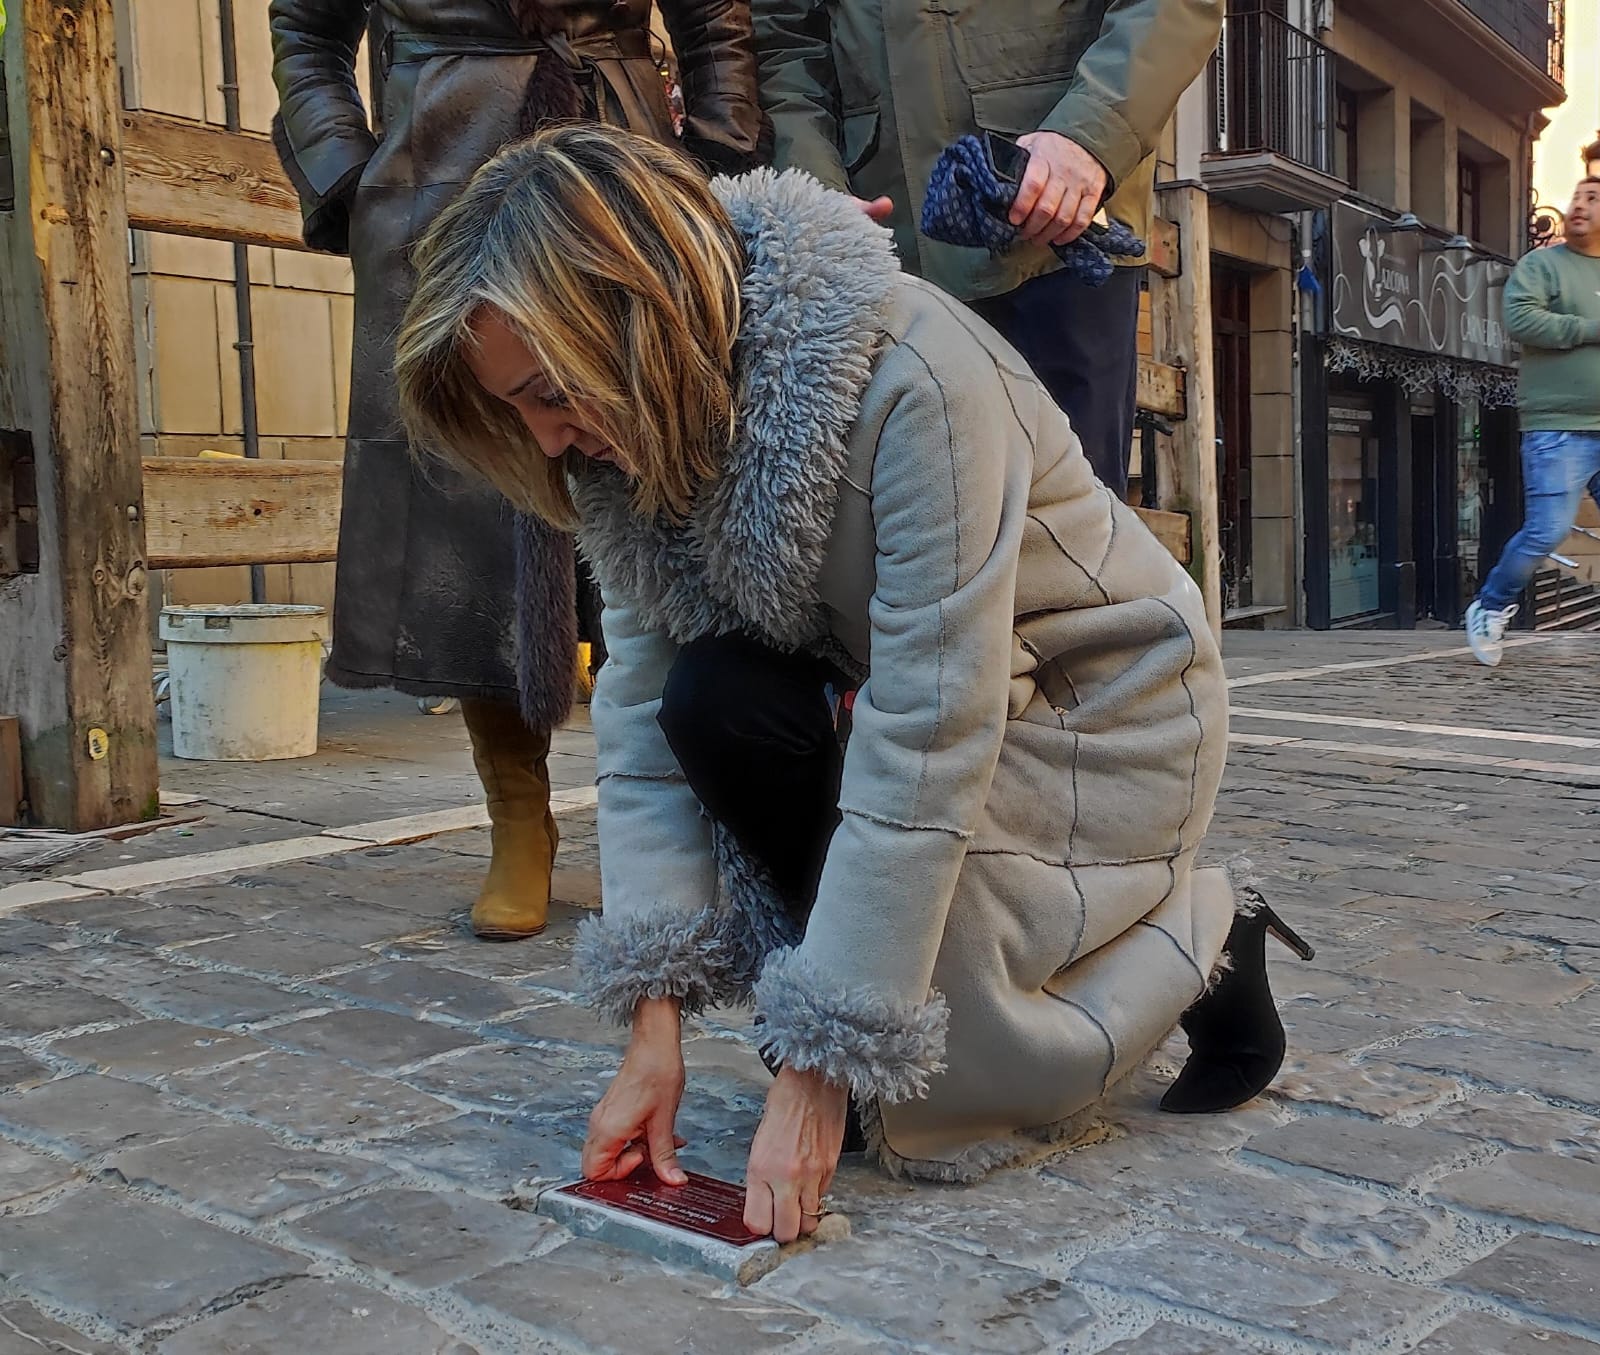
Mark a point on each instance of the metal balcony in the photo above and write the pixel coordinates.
(1509, 53)
(1535, 28)
(1272, 114)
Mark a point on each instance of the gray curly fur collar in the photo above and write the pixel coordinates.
(817, 284)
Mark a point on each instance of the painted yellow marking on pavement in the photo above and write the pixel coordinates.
(1405, 727)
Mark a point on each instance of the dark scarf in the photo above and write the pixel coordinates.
(553, 93)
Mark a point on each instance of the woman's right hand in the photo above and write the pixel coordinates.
(634, 1121)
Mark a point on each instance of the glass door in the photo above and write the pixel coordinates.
(1352, 506)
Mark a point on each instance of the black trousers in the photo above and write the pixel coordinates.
(752, 730)
(1083, 343)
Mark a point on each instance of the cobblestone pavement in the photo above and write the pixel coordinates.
(298, 1109)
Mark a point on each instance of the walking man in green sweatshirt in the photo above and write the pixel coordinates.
(1553, 311)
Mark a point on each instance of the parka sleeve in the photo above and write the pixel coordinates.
(658, 936)
(717, 65)
(320, 131)
(949, 498)
(800, 87)
(1531, 317)
(1130, 79)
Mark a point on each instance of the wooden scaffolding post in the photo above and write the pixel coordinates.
(74, 649)
(1186, 476)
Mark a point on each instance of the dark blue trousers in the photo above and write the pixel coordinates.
(1083, 343)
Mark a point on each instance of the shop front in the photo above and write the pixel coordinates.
(1409, 433)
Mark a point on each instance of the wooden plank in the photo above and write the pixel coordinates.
(75, 654)
(1170, 529)
(12, 794)
(1163, 389)
(188, 179)
(236, 512)
(1186, 474)
(1164, 248)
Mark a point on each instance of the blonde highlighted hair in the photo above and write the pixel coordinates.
(609, 257)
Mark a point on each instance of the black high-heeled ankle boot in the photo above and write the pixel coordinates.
(1236, 1040)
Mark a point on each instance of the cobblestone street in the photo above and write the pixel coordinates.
(261, 1092)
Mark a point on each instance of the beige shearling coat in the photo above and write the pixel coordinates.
(1011, 915)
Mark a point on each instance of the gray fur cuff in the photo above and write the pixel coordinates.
(662, 952)
(879, 1045)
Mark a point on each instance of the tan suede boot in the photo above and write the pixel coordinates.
(514, 902)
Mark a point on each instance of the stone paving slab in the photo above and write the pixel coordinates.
(152, 1048)
(24, 1330)
(424, 1238)
(24, 1174)
(132, 1264)
(309, 1094)
(414, 989)
(1364, 1150)
(1479, 1334)
(990, 1305)
(598, 1299)
(1532, 1188)
(319, 1110)
(377, 1041)
(19, 1071)
(209, 998)
(1333, 1308)
(1545, 1277)
(29, 1009)
(85, 1114)
(277, 954)
(488, 1153)
(243, 1171)
(305, 1315)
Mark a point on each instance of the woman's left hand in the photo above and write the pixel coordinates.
(794, 1156)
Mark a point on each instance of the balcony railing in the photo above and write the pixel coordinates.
(1535, 28)
(1272, 90)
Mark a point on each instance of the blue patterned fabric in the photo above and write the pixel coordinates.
(968, 203)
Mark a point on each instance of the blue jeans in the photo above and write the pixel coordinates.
(1556, 467)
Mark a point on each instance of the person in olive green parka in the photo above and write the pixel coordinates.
(865, 94)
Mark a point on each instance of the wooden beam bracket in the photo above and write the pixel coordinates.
(186, 178)
(234, 512)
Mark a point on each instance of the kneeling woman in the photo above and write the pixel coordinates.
(967, 895)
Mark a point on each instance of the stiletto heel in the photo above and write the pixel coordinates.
(1285, 933)
(1236, 1039)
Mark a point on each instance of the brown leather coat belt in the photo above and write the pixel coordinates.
(630, 45)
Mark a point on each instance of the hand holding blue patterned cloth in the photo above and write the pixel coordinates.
(968, 204)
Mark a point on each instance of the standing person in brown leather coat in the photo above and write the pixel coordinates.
(425, 595)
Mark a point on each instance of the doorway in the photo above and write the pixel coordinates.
(1435, 514)
(1230, 306)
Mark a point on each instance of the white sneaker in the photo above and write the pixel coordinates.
(1486, 632)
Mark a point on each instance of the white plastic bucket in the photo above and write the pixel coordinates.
(244, 680)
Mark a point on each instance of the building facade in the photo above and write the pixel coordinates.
(1369, 170)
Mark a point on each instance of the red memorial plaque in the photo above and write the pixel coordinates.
(704, 1205)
